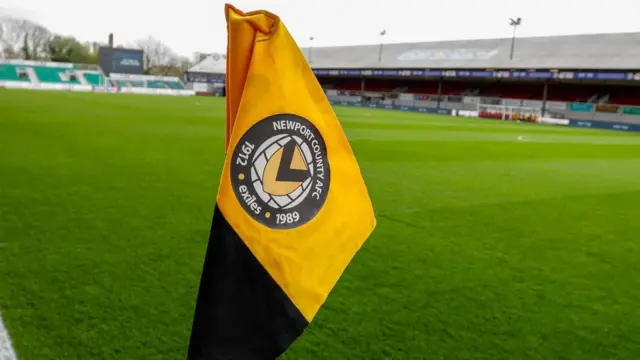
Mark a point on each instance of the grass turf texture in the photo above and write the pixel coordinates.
(487, 247)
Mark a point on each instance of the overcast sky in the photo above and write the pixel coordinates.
(199, 25)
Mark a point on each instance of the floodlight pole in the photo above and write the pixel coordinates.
(513, 42)
(310, 50)
(382, 33)
(515, 23)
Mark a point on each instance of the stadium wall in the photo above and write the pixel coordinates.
(90, 88)
(605, 125)
(474, 114)
(45, 86)
(579, 111)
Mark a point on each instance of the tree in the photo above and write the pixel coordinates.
(11, 38)
(184, 65)
(68, 49)
(160, 59)
(176, 66)
(2, 54)
(156, 54)
(93, 47)
(26, 53)
(198, 57)
(39, 37)
(23, 39)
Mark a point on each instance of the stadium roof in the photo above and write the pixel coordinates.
(602, 51)
(212, 64)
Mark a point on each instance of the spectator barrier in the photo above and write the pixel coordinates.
(467, 113)
(90, 88)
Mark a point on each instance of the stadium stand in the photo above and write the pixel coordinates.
(55, 74)
(601, 51)
(207, 76)
(9, 72)
(94, 78)
(39, 72)
(627, 95)
(141, 82)
(82, 77)
(583, 77)
(122, 83)
(174, 85)
(158, 84)
(154, 84)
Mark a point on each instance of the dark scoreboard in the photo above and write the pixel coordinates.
(121, 61)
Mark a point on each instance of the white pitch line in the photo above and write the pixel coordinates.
(6, 349)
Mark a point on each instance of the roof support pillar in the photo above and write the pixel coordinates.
(439, 91)
(544, 97)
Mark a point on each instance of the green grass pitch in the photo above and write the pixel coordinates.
(487, 247)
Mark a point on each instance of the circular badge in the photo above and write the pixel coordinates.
(280, 171)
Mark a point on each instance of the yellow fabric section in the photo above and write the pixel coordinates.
(271, 185)
(243, 30)
(298, 162)
(269, 75)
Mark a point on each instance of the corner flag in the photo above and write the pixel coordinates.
(292, 207)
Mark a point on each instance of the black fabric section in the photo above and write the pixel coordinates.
(241, 312)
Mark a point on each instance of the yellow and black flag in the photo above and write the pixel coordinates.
(292, 207)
